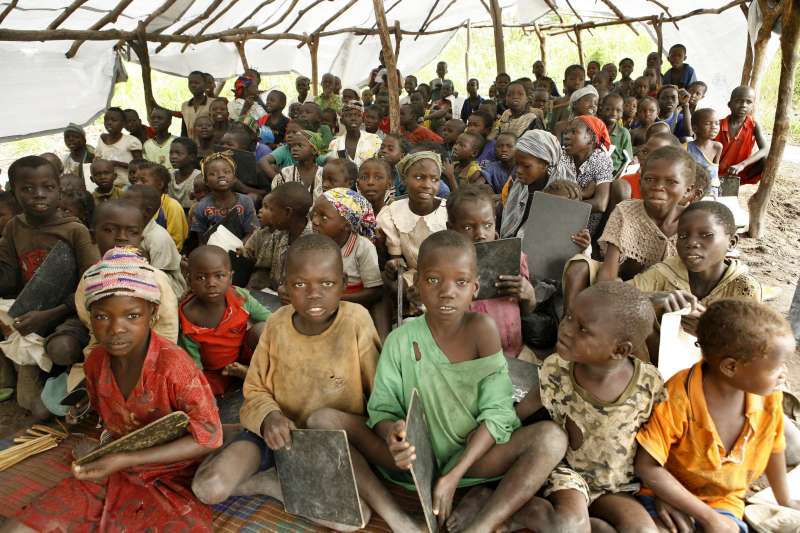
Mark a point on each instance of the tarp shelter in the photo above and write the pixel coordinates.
(44, 90)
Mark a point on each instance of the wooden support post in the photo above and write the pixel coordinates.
(580, 46)
(542, 45)
(242, 55)
(790, 34)
(139, 47)
(313, 46)
(747, 68)
(499, 45)
(769, 18)
(398, 36)
(466, 54)
(659, 37)
(391, 66)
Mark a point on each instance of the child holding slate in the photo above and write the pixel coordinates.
(134, 377)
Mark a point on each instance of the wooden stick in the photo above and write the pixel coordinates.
(66, 13)
(439, 15)
(199, 18)
(542, 45)
(115, 35)
(391, 66)
(325, 24)
(554, 9)
(242, 56)
(11, 5)
(313, 47)
(399, 296)
(424, 22)
(258, 8)
(499, 43)
(659, 38)
(212, 21)
(398, 36)
(297, 19)
(619, 14)
(466, 53)
(790, 35)
(770, 17)
(364, 38)
(580, 46)
(139, 47)
(109, 17)
(280, 19)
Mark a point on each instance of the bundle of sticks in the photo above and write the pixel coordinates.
(39, 438)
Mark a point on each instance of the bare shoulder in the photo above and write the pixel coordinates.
(482, 331)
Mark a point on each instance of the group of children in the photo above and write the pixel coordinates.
(337, 227)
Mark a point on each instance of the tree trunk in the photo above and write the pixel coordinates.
(391, 66)
(747, 69)
(499, 45)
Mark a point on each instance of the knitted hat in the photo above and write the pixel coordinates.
(74, 128)
(121, 272)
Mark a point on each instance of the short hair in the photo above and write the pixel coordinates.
(405, 146)
(665, 88)
(445, 239)
(503, 75)
(564, 188)
(626, 60)
(131, 110)
(698, 84)
(596, 62)
(742, 329)
(628, 307)
(159, 109)
(667, 137)
(198, 73)
(718, 210)
(647, 99)
(187, 143)
(293, 195)
(677, 46)
(29, 162)
(313, 243)
(134, 164)
(159, 171)
(106, 207)
(350, 168)
(209, 250)
(115, 109)
(281, 95)
(84, 201)
(380, 162)
(150, 196)
(475, 193)
(700, 113)
(702, 179)
(485, 116)
(413, 109)
(478, 140)
(675, 154)
(7, 199)
(573, 68)
(612, 95)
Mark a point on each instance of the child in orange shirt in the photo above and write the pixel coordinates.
(723, 423)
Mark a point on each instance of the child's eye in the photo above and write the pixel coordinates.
(328, 284)
(682, 236)
(467, 227)
(299, 284)
(461, 282)
(134, 316)
(432, 281)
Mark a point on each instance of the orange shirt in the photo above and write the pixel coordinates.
(681, 436)
(736, 149)
(635, 180)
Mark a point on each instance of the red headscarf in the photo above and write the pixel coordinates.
(599, 129)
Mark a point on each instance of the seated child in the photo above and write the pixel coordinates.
(204, 135)
(670, 98)
(645, 117)
(641, 88)
(157, 244)
(630, 107)
(219, 172)
(79, 154)
(739, 133)
(305, 149)
(339, 173)
(628, 187)
(410, 128)
(681, 74)
(610, 113)
(133, 169)
(481, 123)
(519, 117)
(102, 175)
(600, 395)
(241, 139)
(146, 487)
(284, 218)
(220, 324)
(117, 147)
(77, 204)
(471, 212)
(465, 167)
(375, 183)
(394, 148)
(72, 182)
(303, 345)
(497, 171)
(722, 426)
(450, 132)
(183, 157)
(170, 215)
(581, 102)
(156, 149)
(704, 149)
(697, 91)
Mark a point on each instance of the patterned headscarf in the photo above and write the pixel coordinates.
(314, 139)
(404, 164)
(600, 131)
(226, 156)
(354, 208)
(121, 272)
(352, 104)
(241, 85)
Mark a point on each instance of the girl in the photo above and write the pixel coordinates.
(80, 153)
(133, 377)
(116, 146)
(646, 115)
(582, 102)
(204, 134)
(183, 156)
(586, 160)
(346, 217)
(518, 117)
(393, 148)
(705, 150)
(304, 147)
(375, 183)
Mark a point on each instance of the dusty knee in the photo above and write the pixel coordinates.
(549, 440)
(64, 350)
(325, 418)
(211, 487)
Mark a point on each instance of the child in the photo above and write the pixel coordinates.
(183, 157)
(219, 173)
(305, 149)
(669, 97)
(450, 132)
(134, 167)
(326, 348)
(375, 183)
(681, 74)
(328, 99)
(600, 395)
(372, 119)
(641, 88)
(220, 117)
(196, 105)
(611, 113)
(465, 168)
(704, 149)
(646, 117)
(629, 186)
(103, 176)
(574, 79)
(133, 362)
(653, 75)
(739, 133)
(497, 171)
(8, 208)
(346, 217)
(339, 173)
(471, 212)
(582, 102)
(625, 84)
(394, 148)
(220, 324)
(116, 146)
(284, 218)
(519, 117)
(156, 150)
(411, 130)
(170, 215)
(355, 145)
(79, 152)
(134, 125)
(204, 133)
(723, 424)
(630, 107)
(72, 183)
(276, 102)
(77, 204)
(697, 92)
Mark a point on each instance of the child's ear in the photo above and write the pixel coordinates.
(449, 224)
(622, 350)
(477, 287)
(734, 240)
(728, 366)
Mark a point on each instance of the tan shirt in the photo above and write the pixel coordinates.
(190, 114)
(298, 374)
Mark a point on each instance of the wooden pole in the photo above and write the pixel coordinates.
(391, 66)
(542, 45)
(242, 54)
(466, 53)
(769, 18)
(659, 37)
(398, 36)
(139, 47)
(580, 46)
(313, 46)
(747, 68)
(790, 34)
(499, 44)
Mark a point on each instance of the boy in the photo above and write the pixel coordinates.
(625, 84)
(723, 424)
(704, 149)
(739, 133)
(284, 218)
(324, 347)
(681, 74)
(497, 171)
(197, 105)
(276, 102)
(156, 150)
(27, 239)
(170, 214)
(473, 100)
(450, 132)
(610, 113)
(574, 79)
(220, 324)
(630, 106)
(481, 123)
(79, 152)
(156, 243)
(592, 68)
(411, 130)
(328, 99)
(647, 115)
(697, 92)
(103, 175)
(135, 126)
(465, 167)
(302, 85)
(501, 81)
(438, 82)
(542, 80)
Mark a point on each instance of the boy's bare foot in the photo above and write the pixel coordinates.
(467, 508)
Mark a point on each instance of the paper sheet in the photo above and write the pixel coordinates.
(676, 349)
(226, 240)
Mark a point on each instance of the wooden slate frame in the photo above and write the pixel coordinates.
(423, 469)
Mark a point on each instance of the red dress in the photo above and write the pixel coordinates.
(737, 149)
(154, 497)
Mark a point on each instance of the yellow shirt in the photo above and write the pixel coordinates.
(298, 374)
(681, 436)
(177, 225)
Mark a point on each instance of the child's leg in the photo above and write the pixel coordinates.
(223, 473)
(623, 512)
(253, 334)
(63, 349)
(525, 461)
(30, 381)
(563, 510)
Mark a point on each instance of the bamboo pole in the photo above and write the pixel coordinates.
(391, 66)
(499, 44)
(790, 34)
(313, 46)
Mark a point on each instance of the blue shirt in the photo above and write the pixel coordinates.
(206, 214)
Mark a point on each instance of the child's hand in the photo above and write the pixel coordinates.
(402, 451)
(448, 169)
(393, 265)
(277, 431)
(236, 370)
(719, 524)
(31, 322)
(102, 468)
(516, 287)
(684, 97)
(588, 191)
(582, 239)
(241, 252)
(443, 497)
(674, 520)
(734, 170)
(669, 302)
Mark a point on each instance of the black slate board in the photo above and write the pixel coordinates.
(317, 478)
(54, 280)
(231, 221)
(495, 258)
(729, 185)
(268, 300)
(524, 377)
(242, 268)
(548, 231)
(423, 469)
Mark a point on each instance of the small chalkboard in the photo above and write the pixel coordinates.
(423, 469)
(232, 222)
(495, 258)
(317, 477)
(524, 377)
(270, 300)
(54, 280)
(729, 185)
(548, 233)
(242, 268)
